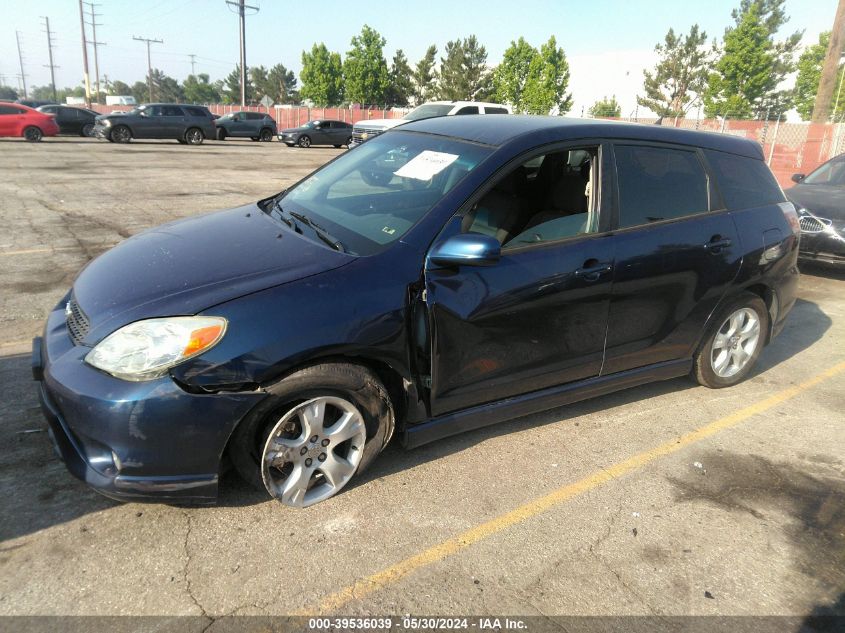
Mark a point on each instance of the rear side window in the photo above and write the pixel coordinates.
(196, 112)
(468, 110)
(744, 182)
(9, 110)
(657, 183)
(171, 111)
(489, 110)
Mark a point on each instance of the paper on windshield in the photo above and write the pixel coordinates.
(426, 165)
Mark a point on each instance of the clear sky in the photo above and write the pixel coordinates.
(608, 42)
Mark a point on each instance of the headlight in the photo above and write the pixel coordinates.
(147, 349)
(105, 122)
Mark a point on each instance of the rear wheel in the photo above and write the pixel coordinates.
(87, 130)
(266, 135)
(733, 343)
(318, 427)
(194, 136)
(305, 141)
(33, 134)
(121, 134)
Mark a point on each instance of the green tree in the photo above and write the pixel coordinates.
(606, 108)
(464, 75)
(260, 83)
(322, 76)
(283, 85)
(547, 81)
(140, 92)
(42, 93)
(120, 88)
(400, 87)
(809, 74)
(231, 92)
(680, 77)
(365, 73)
(7, 92)
(166, 88)
(425, 77)
(751, 65)
(199, 89)
(510, 76)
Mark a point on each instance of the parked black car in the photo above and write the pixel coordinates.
(508, 265)
(188, 124)
(72, 120)
(257, 126)
(323, 132)
(35, 103)
(820, 198)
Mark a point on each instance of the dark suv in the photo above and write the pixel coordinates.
(497, 266)
(254, 125)
(188, 124)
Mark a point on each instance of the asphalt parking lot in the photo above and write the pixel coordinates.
(667, 499)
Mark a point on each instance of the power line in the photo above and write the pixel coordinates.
(149, 61)
(22, 76)
(242, 7)
(93, 24)
(51, 65)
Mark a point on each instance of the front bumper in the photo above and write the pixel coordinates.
(290, 139)
(825, 248)
(101, 131)
(145, 441)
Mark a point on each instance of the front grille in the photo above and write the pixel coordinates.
(77, 322)
(812, 224)
(358, 134)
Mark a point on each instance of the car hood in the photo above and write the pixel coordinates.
(293, 130)
(825, 201)
(190, 265)
(379, 124)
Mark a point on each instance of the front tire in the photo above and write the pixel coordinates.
(304, 141)
(194, 136)
(344, 406)
(33, 134)
(121, 134)
(733, 343)
(221, 134)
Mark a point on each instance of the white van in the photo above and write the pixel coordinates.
(128, 100)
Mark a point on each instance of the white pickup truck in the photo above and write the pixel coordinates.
(363, 130)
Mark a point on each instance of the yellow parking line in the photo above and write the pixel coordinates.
(396, 572)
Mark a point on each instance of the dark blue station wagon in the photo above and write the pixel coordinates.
(446, 275)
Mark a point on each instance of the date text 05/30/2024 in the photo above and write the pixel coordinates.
(411, 623)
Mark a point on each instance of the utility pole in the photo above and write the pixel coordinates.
(821, 108)
(193, 64)
(242, 7)
(149, 61)
(20, 60)
(50, 53)
(93, 24)
(85, 56)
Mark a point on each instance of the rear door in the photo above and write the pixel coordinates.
(173, 122)
(677, 252)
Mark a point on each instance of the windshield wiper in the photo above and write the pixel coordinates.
(285, 216)
(322, 233)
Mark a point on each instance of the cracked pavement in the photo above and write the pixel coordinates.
(760, 527)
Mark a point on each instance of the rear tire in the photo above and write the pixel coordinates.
(354, 384)
(266, 135)
(33, 134)
(194, 136)
(733, 343)
(87, 130)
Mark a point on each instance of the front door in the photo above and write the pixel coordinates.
(538, 317)
(677, 252)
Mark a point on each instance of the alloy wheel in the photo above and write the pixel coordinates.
(735, 343)
(32, 134)
(194, 136)
(88, 129)
(313, 451)
(305, 142)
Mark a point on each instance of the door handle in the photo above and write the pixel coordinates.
(593, 269)
(716, 244)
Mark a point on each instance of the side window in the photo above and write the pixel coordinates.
(49, 110)
(545, 199)
(7, 110)
(172, 111)
(153, 111)
(492, 110)
(468, 110)
(744, 182)
(196, 112)
(657, 183)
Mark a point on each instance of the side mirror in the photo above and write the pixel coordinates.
(798, 177)
(466, 249)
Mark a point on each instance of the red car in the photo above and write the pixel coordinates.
(20, 120)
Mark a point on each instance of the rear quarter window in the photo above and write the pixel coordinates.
(489, 110)
(197, 112)
(744, 182)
